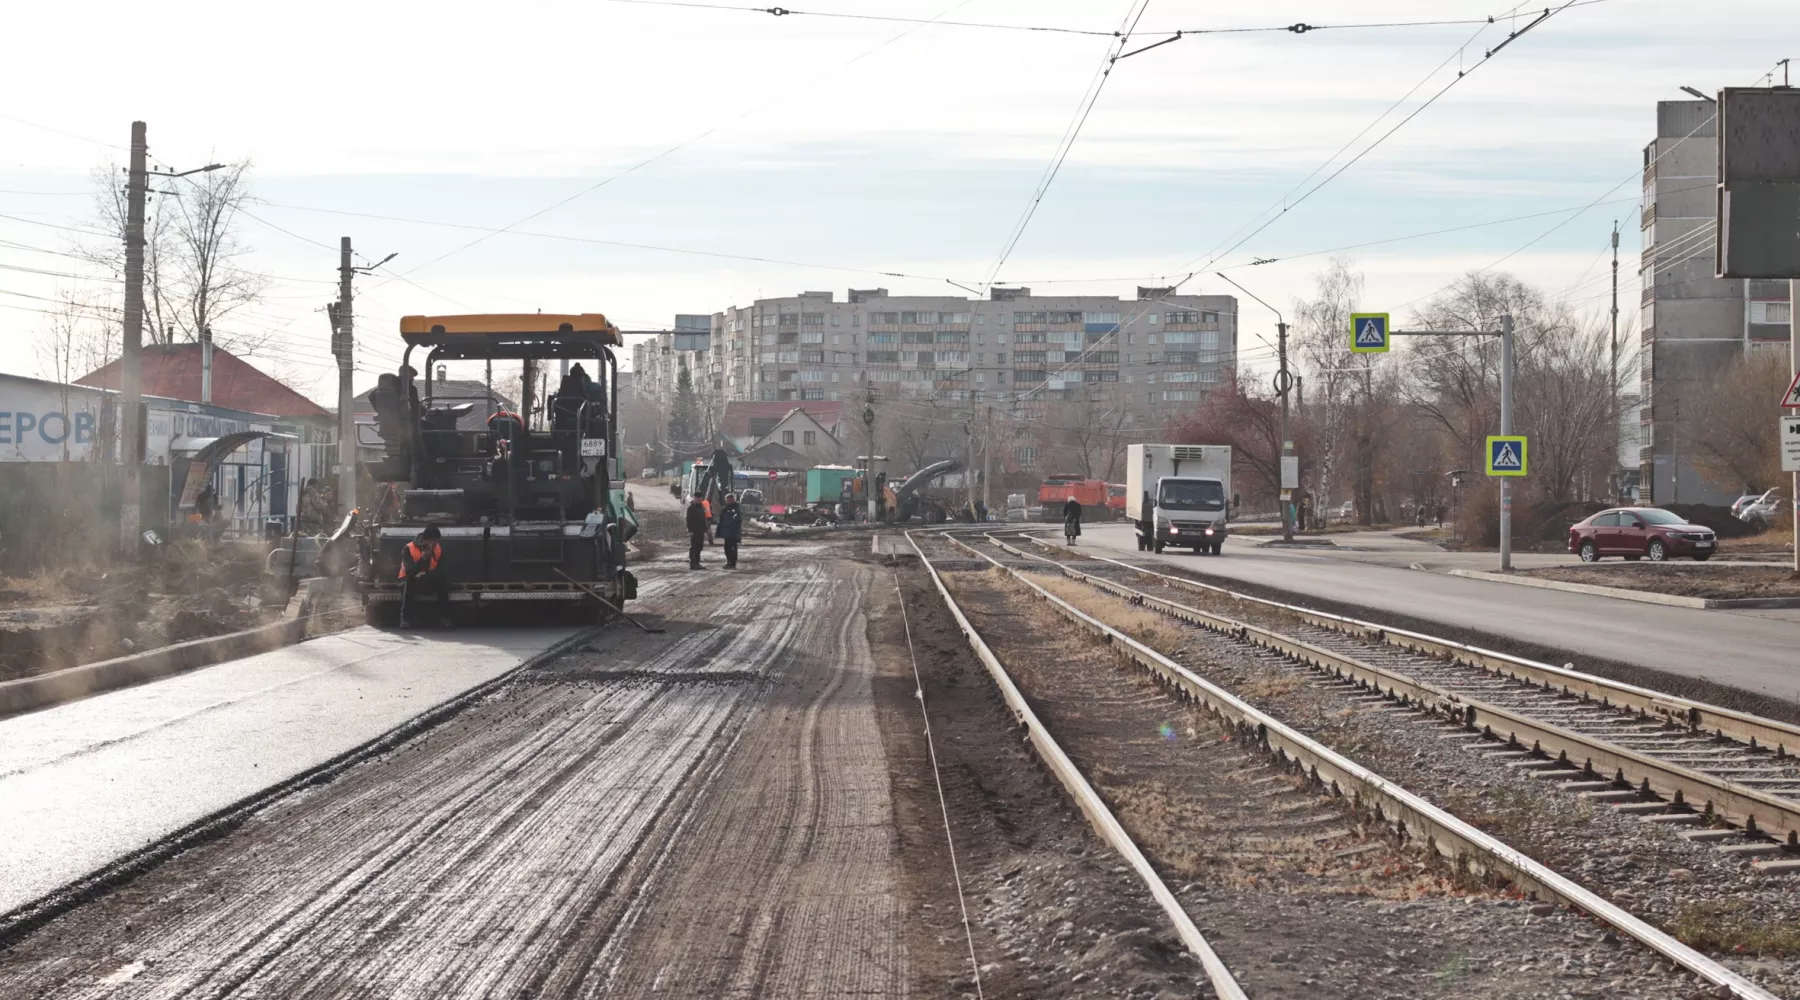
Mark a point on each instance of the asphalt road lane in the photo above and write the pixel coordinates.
(85, 783)
(704, 812)
(1753, 650)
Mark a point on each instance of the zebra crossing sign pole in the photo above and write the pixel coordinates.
(1370, 333)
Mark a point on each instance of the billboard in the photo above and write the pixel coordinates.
(1759, 183)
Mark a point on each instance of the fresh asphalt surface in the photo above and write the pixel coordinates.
(96, 779)
(1757, 650)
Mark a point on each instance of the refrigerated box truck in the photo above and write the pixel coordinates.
(1179, 494)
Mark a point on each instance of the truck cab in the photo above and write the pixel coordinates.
(1179, 494)
(1190, 511)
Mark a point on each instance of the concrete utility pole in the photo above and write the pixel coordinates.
(344, 347)
(1614, 373)
(987, 461)
(1284, 383)
(130, 370)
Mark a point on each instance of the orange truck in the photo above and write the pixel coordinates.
(1115, 499)
(1057, 489)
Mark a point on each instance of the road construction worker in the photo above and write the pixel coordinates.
(706, 505)
(731, 529)
(1071, 520)
(505, 426)
(421, 575)
(696, 528)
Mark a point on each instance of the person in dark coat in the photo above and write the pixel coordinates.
(1071, 519)
(421, 576)
(731, 529)
(696, 528)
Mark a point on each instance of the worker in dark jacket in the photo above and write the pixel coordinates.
(422, 575)
(696, 528)
(1071, 520)
(731, 529)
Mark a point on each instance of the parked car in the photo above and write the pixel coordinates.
(1738, 505)
(1639, 533)
(1763, 510)
(1342, 512)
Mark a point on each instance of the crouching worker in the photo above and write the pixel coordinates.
(421, 576)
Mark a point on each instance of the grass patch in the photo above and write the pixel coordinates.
(1733, 928)
(1684, 579)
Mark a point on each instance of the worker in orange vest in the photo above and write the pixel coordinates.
(422, 575)
(706, 505)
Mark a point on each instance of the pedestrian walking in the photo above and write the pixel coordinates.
(731, 529)
(1071, 520)
(1440, 515)
(696, 527)
(422, 575)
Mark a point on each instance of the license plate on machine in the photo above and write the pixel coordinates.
(593, 447)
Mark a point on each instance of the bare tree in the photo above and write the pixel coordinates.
(1087, 432)
(194, 273)
(76, 338)
(1729, 435)
(211, 282)
(1341, 386)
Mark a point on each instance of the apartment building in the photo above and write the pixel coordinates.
(1692, 323)
(1162, 350)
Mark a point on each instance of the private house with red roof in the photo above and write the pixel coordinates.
(747, 422)
(187, 407)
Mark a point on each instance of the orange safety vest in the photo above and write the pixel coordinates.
(417, 554)
(706, 505)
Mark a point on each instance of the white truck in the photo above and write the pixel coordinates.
(1179, 494)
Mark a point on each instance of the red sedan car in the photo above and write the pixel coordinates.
(1639, 533)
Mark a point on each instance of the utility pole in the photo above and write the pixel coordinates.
(130, 363)
(1794, 363)
(1284, 383)
(987, 461)
(1613, 376)
(1674, 454)
(1506, 399)
(344, 347)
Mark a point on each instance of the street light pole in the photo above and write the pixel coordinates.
(1284, 382)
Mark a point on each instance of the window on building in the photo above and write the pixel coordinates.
(836, 320)
(1000, 377)
(1771, 312)
(790, 319)
(1150, 338)
(834, 376)
(1000, 338)
(1153, 322)
(856, 319)
(1209, 317)
(980, 319)
(787, 437)
(810, 437)
(1000, 358)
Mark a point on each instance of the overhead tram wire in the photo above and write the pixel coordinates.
(1433, 99)
(1300, 28)
(1114, 52)
(584, 192)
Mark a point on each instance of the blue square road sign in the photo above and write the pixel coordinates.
(1506, 455)
(1368, 333)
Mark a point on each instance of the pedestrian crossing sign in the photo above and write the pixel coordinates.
(1368, 333)
(1506, 455)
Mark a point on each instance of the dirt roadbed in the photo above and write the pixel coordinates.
(742, 806)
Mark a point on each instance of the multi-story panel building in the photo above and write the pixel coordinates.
(1162, 350)
(1692, 323)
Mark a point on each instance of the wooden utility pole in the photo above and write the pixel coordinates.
(130, 363)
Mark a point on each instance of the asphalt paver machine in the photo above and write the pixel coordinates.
(530, 507)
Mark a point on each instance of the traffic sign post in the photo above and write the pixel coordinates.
(1790, 443)
(1373, 325)
(1507, 456)
(1369, 333)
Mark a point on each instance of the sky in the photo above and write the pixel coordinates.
(650, 158)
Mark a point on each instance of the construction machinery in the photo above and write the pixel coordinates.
(908, 497)
(531, 508)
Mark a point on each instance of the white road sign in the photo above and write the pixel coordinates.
(1290, 472)
(1791, 398)
(1790, 444)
